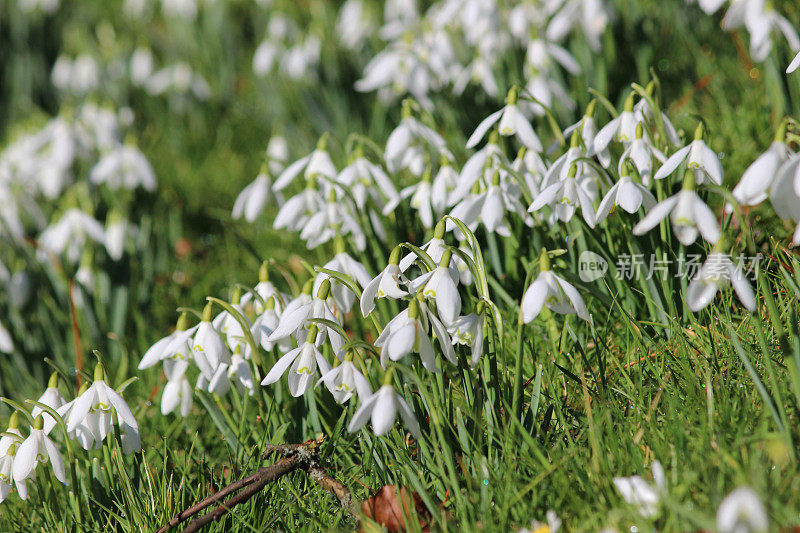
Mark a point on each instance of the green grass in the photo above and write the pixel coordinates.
(597, 402)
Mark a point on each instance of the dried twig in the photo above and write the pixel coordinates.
(295, 457)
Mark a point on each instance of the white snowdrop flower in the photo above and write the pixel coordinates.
(646, 113)
(228, 326)
(185, 9)
(640, 493)
(265, 290)
(70, 234)
(208, 348)
(174, 346)
(336, 218)
(385, 285)
(468, 331)
(784, 193)
(124, 167)
(35, 450)
(51, 398)
(295, 213)
(490, 206)
(6, 342)
(381, 408)
(421, 194)
(7, 475)
(553, 524)
(406, 145)
(237, 372)
(479, 71)
(367, 180)
(116, 231)
(626, 193)
(344, 380)
(440, 286)
(265, 324)
(141, 65)
(641, 154)
(253, 198)
(742, 512)
(709, 7)
(12, 434)
(700, 159)
(353, 25)
(688, 214)
(435, 247)
(178, 392)
(299, 316)
(342, 262)
(591, 15)
(621, 129)
(510, 121)
(587, 129)
(717, 272)
(482, 163)
(794, 64)
(303, 361)
(317, 162)
(93, 409)
(564, 196)
(443, 185)
(760, 19)
(552, 291)
(759, 176)
(404, 334)
(277, 154)
(545, 91)
(265, 57)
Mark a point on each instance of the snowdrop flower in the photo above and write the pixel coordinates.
(228, 325)
(381, 408)
(117, 228)
(7, 475)
(299, 317)
(342, 262)
(482, 163)
(709, 7)
(591, 15)
(794, 64)
(489, 207)
(742, 512)
(178, 392)
(367, 180)
(344, 380)
(124, 167)
(253, 198)
(759, 176)
(266, 290)
(440, 285)
(385, 285)
(35, 450)
(208, 348)
(627, 194)
(621, 129)
(70, 234)
(295, 213)
(265, 324)
(468, 331)
(406, 333)
(238, 372)
(316, 163)
(760, 19)
(6, 343)
(353, 25)
(564, 196)
(552, 291)
(83, 433)
(587, 128)
(510, 121)
(641, 154)
(421, 194)
(553, 525)
(174, 346)
(443, 184)
(688, 214)
(784, 193)
(435, 247)
(141, 65)
(335, 218)
(700, 159)
(405, 147)
(641, 494)
(51, 398)
(12, 434)
(716, 273)
(303, 361)
(94, 409)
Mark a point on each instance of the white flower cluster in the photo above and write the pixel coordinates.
(96, 412)
(761, 20)
(285, 47)
(44, 192)
(456, 43)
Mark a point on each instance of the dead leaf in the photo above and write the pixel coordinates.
(390, 507)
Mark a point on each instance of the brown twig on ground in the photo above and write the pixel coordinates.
(295, 457)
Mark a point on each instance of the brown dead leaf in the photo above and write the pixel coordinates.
(390, 507)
